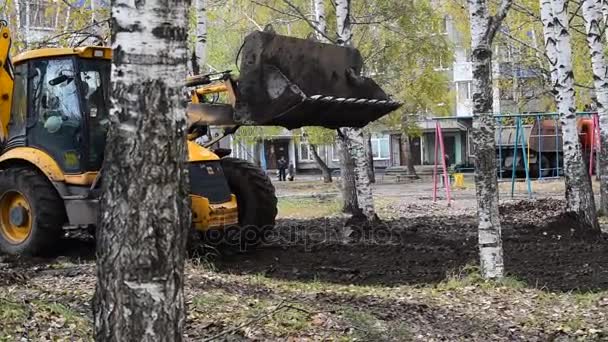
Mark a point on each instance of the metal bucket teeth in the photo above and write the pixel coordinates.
(335, 112)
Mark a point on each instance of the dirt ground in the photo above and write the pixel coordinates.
(415, 277)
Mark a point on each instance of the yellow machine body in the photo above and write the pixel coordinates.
(6, 81)
(205, 215)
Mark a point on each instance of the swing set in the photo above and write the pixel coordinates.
(536, 136)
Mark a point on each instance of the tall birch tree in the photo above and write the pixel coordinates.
(353, 139)
(579, 193)
(594, 24)
(347, 163)
(145, 215)
(319, 134)
(483, 29)
(320, 20)
(200, 45)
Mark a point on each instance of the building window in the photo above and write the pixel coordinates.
(305, 152)
(439, 65)
(464, 90)
(335, 152)
(444, 25)
(380, 147)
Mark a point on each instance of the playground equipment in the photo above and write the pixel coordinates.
(527, 146)
(542, 142)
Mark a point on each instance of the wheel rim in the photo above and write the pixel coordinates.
(15, 229)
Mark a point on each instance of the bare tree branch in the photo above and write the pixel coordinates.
(497, 19)
(524, 10)
(253, 22)
(575, 13)
(310, 23)
(519, 41)
(81, 31)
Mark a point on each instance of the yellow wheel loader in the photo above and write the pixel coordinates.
(54, 118)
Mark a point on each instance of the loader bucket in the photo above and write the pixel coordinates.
(293, 82)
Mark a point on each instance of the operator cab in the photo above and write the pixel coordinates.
(59, 106)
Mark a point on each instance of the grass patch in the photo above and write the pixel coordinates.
(471, 276)
(12, 312)
(264, 314)
(366, 327)
(60, 317)
(308, 207)
(213, 300)
(53, 320)
(12, 317)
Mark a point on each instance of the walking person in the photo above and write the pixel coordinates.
(282, 164)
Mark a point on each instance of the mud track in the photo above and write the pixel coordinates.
(542, 246)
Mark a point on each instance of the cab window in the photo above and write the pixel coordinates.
(19, 103)
(55, 120)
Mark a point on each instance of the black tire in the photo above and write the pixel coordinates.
(46, 211)
(256, 199)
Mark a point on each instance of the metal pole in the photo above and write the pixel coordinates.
(598, 147)
(446, 178)
(592, 147)
(500, 170)
(540, 149)
(556, 148)
(514, 163)
(435, 168)
(523, 151)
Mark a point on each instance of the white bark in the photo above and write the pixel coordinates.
(546, 15)
(345, 30)
(26, 27)
(495, 88)
(355, 137)
(356, 145)
(17, 20)
(604, 9)
(320, 20)
(483, 28)
(592, 12)
(200, 47)
(145, 218)
(579, 194)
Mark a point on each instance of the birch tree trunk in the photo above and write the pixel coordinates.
(369, 154)
(579, 194)
(406, 150)
(546, 15)
(200, 47)
(483, 30)
(320, 20)
(17, 20)
(406, 146)
(26, 27)
(355, 141)
(325, 171)
(594, 21)
(320, 23)
(349, 188)
(145, 215)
